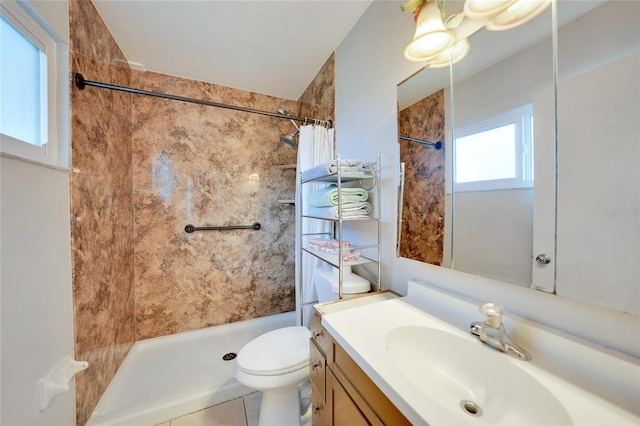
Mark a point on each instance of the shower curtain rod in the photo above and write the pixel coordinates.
(437, 145)
(81, 83)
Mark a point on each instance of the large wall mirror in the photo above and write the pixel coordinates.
(537, 184)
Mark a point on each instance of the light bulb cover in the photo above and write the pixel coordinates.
(451, 56)
(476, 9)
(517, 14)
(431, 37)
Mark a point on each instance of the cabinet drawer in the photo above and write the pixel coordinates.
(319, 335)
(361, 386)
(320, 413)
(316, 368)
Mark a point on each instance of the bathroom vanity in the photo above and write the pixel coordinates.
(386, 359)
(342, 394)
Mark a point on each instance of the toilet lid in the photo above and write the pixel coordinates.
(279, 351)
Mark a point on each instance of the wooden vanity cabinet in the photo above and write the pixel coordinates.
(319, 347)
(342, 394)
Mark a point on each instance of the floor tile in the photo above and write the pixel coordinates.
(252, 407)
(230, 413)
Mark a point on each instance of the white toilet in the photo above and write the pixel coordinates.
(327, 284)
(276, 363)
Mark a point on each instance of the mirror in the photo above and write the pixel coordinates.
(422, 221)
(498, 231)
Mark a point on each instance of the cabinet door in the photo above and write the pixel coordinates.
(344, 412)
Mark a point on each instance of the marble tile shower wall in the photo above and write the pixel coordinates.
(101, 207)
(319, 99)
(422, 233)
(202, 165)
(143, 168)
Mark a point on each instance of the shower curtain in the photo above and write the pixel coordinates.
(315, 146)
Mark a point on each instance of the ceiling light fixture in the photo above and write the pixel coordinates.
(443, 42)
(451, 56)
(476, 9)
(431, 37)
(517, 14)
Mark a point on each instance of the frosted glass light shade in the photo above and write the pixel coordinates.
(517, 14)
(476, 9)
(431, 37)
(451, 56)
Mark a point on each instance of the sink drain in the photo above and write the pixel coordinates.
(471, 408)
(229, 356)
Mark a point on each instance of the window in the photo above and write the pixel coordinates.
(28, 73)
(496, 152)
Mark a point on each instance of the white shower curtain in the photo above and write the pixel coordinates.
(315, 146)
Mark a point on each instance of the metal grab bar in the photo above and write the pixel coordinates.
(436, 145)
(190, 228)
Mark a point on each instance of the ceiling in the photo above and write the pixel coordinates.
(270, 47)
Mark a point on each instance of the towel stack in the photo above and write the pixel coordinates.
(324, 202)
(347, 168)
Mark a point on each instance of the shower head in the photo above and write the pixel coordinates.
(290, 140)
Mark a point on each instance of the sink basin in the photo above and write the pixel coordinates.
(464, 381)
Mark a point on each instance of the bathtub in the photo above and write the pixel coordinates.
(166, 377)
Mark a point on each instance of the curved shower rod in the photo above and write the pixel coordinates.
(81, 83)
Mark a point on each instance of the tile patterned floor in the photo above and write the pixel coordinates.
(237, 412)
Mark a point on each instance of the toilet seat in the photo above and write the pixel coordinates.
(277, 352)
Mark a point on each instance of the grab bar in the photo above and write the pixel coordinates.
(190, 228)
(436, 145)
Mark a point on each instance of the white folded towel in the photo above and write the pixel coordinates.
(352, 210)
(350, 166)
(328, 196)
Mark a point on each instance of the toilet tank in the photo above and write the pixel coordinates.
(327, 283)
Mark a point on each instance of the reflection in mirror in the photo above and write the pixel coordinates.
(422, 223)
(489, 221)
(596, 159)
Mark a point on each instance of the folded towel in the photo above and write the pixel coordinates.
(348, 166)
(328, 242)
(328, 196)
(347, 255)
(353, 210)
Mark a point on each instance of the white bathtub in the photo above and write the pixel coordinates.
(166, 377)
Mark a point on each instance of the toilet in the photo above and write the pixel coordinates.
(276, 363)
(327, 284)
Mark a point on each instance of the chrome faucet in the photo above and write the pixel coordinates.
(492, 333)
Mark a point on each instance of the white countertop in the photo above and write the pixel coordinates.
(362, 330)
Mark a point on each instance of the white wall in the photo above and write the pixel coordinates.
(369, 65)
(36, 295)
(37, 310)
